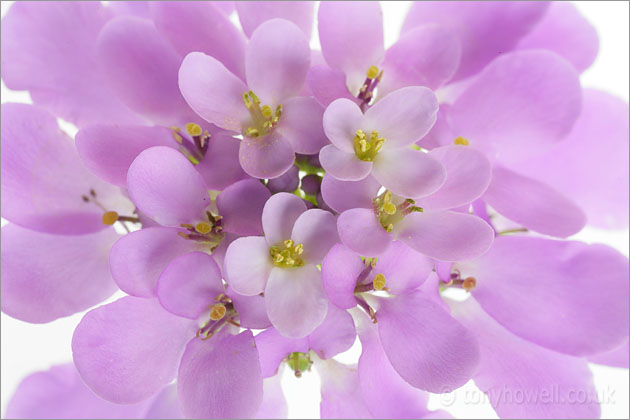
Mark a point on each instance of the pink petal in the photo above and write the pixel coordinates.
(345, 195)
(252, 312)
(166, 187)
(566, 32)
(45, 277)
(295, 299)
(344, 166)
(253, 13)
(446, 235)
(617, 357)
(403, 116)
(468, 174)
(241, 206)
(327, 84)
(276, 61)
(340, 270)
(136, 260)
(520, 104)
(220, 378)
(220, 167)
(335, 335)
(539, 288)
(440, 364)
(128, 350)
(212, 91)
(205, 30)
(513, 366)
(342, 118)
(273, 348)
(266, 157)
(274, 404)
(301, 124)
(341, 395)
(280, 213)
(189, 285)
(533, 204)
(404, 269)
(408, 173)
(360, 231)
(317, 230)
(247, 265)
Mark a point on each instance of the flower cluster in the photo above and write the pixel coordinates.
(263, 204)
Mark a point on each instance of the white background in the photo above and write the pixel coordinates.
(27, 348)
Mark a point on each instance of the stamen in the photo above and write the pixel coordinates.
(263, 117)
(193, 129)
(217, 312)
(203, 228)
(110, 217)
(379, 282)
(299, 363)
(365, 149)
(469, 283)
(289, 256)
(461, 141)
(372, 72)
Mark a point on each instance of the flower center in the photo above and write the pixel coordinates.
(208, 232)
(289, 256)
(194, 145)
(367, 90)
(264, 119)
(299, 362)
(389, 212)
(367, 149)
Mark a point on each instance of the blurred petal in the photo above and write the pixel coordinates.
(266, 157)
(446, 235)
(317, 230)
(279, 215)
(241, 206)
(220, 167)
(539, 289)
(126, 351)
(440, 364)
(360, 231)
(533, 204)
(252, 312)
(45, 277)
(520, 104)
(341, 395)
(166, 187)
(295, 299)
(273, 347)
(340, 270)
(336, 334)
(247, 265)
(220, 378)
(253, 13)
(301, 124)
(404, 269)
(274, 404)
(617, 357)
(345, 195)
(345, 166)
(277, 59)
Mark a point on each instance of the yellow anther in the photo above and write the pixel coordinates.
(363, 145)
(110, 217)
(252, 132)
(203, 227)
(178, 138)
(372, 72)
(379, 282)
(288, 243)
(461, 141)
(278, 111)
(255, 98)
(248, 103)
(217, 312)
(389, 227)
(469, 283)
(299, 249)
(387, 198)
(267, 111)
(290, 261)
(279, 258)
(390, 208)
(367, 148)
(289, 256)
(379, 144)
(193, 129)
(360, 134)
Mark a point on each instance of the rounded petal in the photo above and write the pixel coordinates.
(485, 30)
(141, 67)
(252, 312)
(427, 55)
(558, 294)
(43, 180)
(126, 351)
(468, 174)
(279, 215)
(346, 195)
(212, 91)
(404, 269)
(277, 59)
(335, 335)
(301, 124)
(253, 13)
(273, 348)
(446, 235)
(137, 259)
(403, 116)
(341, 120)
(340, 271)
(617, 357)
(317, 230)
(241, 205)
(247, 265)
(512, 366)
(345, 166)
(45, 277)
(266, 157)
(198, 26)
(566, 32)
(220, 167)
(166, 187)
(520, 104)
(533, 204)
(409, 173)
(360, 231)
(327, 84)
(295, 299)
(109, 150)
(440, 364)
(346, 45)
(220, 378)
(189, 285)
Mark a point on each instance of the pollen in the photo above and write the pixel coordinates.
(389, 208)
(193, 129)
(469, 283)
(203, 227)
(372, 72)
(379, 282)
(263, 118)
(109, 218)
(462, 141)
(289, 256)
(367, 149)
(217, 312)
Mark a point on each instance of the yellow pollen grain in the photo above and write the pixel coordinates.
(289, 243)
(203, 228)
(379, 282)
(299, 249)
(469, 283)
(193, 129)
(266, 111)
(372, 72)
(217, 312)
(110, 217)
(462, 141)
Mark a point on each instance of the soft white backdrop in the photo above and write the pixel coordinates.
(27, 348)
